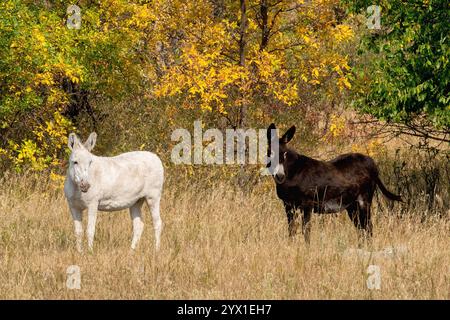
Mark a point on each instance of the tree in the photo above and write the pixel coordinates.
(404, 78)
(49, 73)
(243, 61)
(253, 55)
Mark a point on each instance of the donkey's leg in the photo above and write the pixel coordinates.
(354, 217)
(368, 205)
(364, 202)
(352, 211)
(153, 204)
(365, 220)
(78, 226)
(92, 219)
(365, 226)
(292, 216)
(306, 224)
(138, 225)
(360, 216)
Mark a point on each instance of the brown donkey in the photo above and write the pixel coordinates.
(347, 182)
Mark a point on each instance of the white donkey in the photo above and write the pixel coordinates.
(111, 184)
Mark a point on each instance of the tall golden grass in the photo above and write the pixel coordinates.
(217, 243)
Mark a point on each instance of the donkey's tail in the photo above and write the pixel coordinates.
(386, 192)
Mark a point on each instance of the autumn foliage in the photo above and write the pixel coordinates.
(227, 60)
(139, 69)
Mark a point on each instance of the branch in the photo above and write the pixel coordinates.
(293, 45)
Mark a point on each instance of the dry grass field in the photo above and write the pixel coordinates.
(216, 243)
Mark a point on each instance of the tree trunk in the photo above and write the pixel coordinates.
(242, 48)
(265, 31)
(242, 121)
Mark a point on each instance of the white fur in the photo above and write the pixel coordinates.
(332, 206)
(360, 201)
(114, 183)
(279, 169)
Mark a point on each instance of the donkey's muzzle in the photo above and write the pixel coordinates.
(279, 178)
(84, 186)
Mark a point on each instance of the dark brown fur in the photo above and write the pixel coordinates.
(347, 182)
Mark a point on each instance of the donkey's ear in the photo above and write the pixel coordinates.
(288, 135)
(271, 134)
(90, 142)
(72, 141)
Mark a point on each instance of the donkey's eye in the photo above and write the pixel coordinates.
(75, 162)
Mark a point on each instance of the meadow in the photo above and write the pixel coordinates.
(351, 78)
(217, 243)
